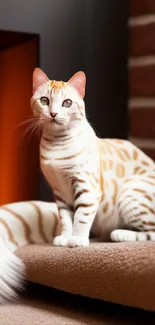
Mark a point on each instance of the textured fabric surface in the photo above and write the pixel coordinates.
(50, 307)
(123, 273)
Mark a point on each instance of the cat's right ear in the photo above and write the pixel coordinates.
(39, 78)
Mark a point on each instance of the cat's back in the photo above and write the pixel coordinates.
(123, 151)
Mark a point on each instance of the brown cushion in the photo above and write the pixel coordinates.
(123, 273)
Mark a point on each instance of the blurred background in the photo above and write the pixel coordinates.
(111, 41)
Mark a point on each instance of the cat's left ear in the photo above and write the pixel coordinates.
(39, 78)
(78, 81)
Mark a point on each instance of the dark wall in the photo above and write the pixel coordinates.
(106, 96)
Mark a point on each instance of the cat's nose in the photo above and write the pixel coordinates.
(53, 114)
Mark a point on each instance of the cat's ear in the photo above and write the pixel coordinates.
(78, 81)
(39, 78)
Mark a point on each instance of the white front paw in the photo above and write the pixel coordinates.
(78, 241)
(60, 241)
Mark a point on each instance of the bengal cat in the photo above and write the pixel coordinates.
(103, 186)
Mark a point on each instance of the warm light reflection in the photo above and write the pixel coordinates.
(19, 167)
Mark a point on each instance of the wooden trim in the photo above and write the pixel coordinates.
(141, 61)
(141, 102)
(142, 20)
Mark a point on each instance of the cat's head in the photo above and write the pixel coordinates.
(58, 103)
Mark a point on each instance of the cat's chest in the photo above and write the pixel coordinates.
(58, 181)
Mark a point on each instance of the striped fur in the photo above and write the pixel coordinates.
(103, 186)
(22, 224)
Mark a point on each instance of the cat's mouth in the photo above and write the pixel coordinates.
(58, 121)
(53, 120)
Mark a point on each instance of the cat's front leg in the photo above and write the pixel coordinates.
(85, 207)
(65, 216)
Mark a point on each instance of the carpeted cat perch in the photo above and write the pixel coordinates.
(120, 273)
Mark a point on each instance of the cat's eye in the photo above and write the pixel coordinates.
(44, 101)
(67, 103)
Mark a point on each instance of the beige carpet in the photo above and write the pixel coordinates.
(50, 307)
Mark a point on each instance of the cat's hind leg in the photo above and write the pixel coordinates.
(136, 210)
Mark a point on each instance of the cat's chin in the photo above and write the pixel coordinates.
(61, 123)
(57, 126)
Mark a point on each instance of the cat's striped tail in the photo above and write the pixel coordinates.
(21, 224)
(12, 273)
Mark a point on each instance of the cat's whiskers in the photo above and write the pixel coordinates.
(26, 122)
(33, 127)
(32, 131)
